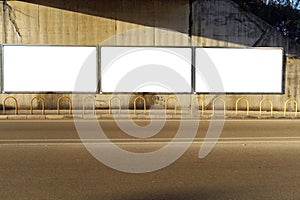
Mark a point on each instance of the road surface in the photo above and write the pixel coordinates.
(254, 159)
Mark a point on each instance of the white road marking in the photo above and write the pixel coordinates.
(233, 140)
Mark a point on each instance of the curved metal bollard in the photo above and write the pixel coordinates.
(144, 101)
(58, 104)
(16, 104)
(285, 106)
(202, 105)
(84, 102)
(224, 104)
(176, 102)
(41, 99)
(236, 105)
(260, 105)
(110, 104)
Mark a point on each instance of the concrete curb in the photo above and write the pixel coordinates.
(77, 114)
(99, 117)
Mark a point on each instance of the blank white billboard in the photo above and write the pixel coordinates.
(49, 68)
(254, 70)
(146, 69)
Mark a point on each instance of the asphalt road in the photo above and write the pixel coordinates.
(254, 159)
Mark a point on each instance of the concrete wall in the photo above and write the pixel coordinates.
(223, 23)
(148, 22)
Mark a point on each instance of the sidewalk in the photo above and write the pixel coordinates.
(141, 114)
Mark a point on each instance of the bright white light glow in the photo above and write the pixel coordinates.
(145, 69)
(257, 70)
(49, 68)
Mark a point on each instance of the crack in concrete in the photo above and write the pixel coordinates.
(190, 30)
(260, 38)
(3, 22)
(11, 17)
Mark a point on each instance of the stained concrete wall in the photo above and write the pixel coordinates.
(214, 23)
(224, 23)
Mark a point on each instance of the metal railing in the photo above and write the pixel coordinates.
(144, 102)
(16, 104)
(39, 98)
(110, 104)
(224, 104)
(200, 101)
(260, 106)
(84, 103)
(202, 105)
(285, 106)
(175, 106)
(247, 104)
(58, 104)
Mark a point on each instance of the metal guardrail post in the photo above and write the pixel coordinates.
(144, 101)
(16, 104)
(285, 106)
(41, 99)
(58, 104)
(260, 105)
(247, 104)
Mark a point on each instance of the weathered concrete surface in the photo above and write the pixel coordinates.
(224, 23)
(210, 22)
(204, 23)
